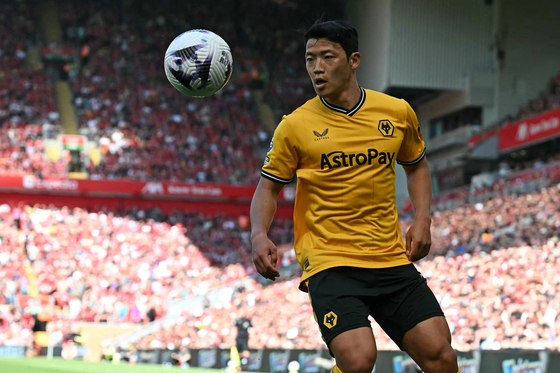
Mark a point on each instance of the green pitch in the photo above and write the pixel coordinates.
(57, 365)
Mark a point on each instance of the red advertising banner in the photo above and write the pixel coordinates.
(530, 130)
(481, 136)
(130, 188)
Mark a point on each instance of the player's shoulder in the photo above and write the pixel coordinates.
(310, 107)
(383, 99)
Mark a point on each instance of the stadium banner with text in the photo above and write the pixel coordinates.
(538, 128)
(276, 361)
(517, 361)
(400, 362)
(132, 188)
(264, 360)
(12, 351)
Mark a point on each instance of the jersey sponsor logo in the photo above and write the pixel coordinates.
(321, 136)
(306, 264)
(386, 128)
(341, 159)
(329, 320)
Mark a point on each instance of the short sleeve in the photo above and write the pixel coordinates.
(413, 149)
(282, 158)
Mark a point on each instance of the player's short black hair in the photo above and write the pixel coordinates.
(336, 31)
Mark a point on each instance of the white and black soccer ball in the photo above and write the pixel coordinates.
(198, 63)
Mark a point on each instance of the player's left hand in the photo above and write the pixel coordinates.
(418, 239)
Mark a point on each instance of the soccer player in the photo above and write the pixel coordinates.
(243, 325)
(343, 145)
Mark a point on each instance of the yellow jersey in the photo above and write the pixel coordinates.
(345, 211)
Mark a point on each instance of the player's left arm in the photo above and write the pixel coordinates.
(418, 239)
(412, 156)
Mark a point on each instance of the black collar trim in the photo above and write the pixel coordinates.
(344, 111)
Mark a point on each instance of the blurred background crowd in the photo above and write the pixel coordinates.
(495, 258)
(493, 266)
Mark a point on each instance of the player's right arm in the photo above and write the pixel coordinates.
(279, 167)
(263, 208)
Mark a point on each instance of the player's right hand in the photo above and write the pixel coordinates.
(265, 257)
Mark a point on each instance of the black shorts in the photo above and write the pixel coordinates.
(242, 344)
(397, 298)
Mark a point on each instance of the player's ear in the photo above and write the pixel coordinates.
(355, 60)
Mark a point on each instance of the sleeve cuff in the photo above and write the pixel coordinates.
(275, 178)
(417, 160)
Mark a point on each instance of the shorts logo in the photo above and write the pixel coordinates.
(330, 319)
(386, 127)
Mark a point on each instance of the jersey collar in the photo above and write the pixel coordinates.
(350, 112)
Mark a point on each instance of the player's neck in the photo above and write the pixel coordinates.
(347, 98)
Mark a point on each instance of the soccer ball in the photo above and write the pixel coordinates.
(198, 63)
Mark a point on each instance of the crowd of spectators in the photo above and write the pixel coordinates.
(22, 151)
(106, 268)
(27, 108)
(147, 130)
(494, 269)
(501, 222)
(523, 177)
(498, 300)
(279, 32)
(281, 315)
(503, 299)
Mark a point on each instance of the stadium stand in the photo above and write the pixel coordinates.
(144, 128)
(482, 258)
(109, 268)
(27, 108)
(495, 257)
(105, 268)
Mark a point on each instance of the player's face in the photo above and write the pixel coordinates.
(328, 66)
